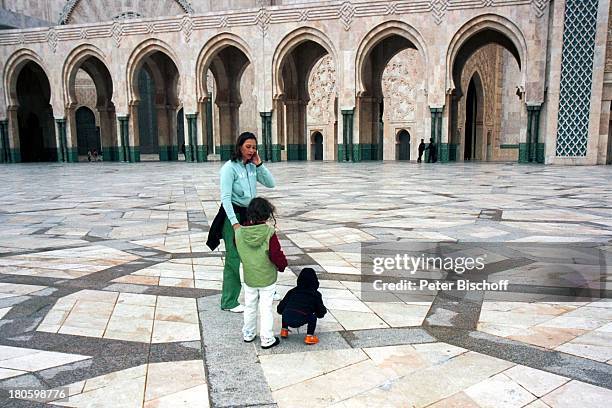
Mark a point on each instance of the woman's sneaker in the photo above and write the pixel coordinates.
(311, 339)
(236, 309)
(269, 343)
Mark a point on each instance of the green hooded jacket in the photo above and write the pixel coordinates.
(253, 243)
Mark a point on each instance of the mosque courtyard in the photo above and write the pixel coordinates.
(109, 296)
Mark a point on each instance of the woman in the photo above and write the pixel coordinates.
(239, 177)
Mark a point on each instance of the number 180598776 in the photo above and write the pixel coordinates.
(39, 395)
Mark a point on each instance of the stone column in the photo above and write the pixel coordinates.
(278, 129)
(293, 129)
(133, 134)
(69, 141)
(108, 137)
(228, 127)
(13, 134)
(205, 128)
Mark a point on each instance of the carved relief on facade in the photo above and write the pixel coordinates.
(498, 105)
(322, 90)
(85, 91)
(107, 10)
(609, 44)
(400, 84)
(482, 62)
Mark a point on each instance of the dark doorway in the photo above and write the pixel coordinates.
(403, 145)
(471, 109)
(35, 116)
(147, 115)
(87, 134)
(31, 139)
(317, 138)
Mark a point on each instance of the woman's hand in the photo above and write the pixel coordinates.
(236, 226)
(256, 159)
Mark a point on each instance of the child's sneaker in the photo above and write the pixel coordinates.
(311, 339)
(285, 333)
(269, 343)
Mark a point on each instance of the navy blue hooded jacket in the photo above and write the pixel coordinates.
(304, 298)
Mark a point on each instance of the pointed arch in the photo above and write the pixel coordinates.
(98, 71)
(379, 33)
(13, 67)
(289, 43)
(137, 59)
(479, 24)
(208, 53)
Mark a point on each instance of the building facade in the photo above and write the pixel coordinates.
(486, 80)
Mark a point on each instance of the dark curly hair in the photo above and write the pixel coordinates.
(260, 210)
(244, 136)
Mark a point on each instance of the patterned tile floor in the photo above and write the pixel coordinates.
(107, 289)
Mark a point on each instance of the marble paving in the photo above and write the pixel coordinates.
(108, 291)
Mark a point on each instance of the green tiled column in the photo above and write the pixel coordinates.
(266, 137)
(63, 153)
(532, 151)
(347, 135)
(341, 153)
(294, 152)
(436, 134)
(194, 152)
(523, 153)
(537, 148)
(452, 152)
(209, 128)
(276, 152)
(124, 147)
(4, 145)
(73, 155)
(225, 151)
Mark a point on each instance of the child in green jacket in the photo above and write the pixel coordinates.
(262, 258)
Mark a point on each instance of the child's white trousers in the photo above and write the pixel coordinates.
(262, 297)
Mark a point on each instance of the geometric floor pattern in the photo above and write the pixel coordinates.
(107, 290)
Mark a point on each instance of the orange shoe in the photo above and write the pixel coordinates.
(284, 333)
(311, 339)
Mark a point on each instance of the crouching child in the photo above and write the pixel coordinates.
(303, 305)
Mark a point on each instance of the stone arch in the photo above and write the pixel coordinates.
(137, 58)
(403, 140)
(227, 57)
(73, 63)
(92, 60)
(208, 53)
(289, 43)
(161, 64)
(293, 61)
(484, 22)
(30, 113)
(13, 67)
(379, 33)
(389, 41)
